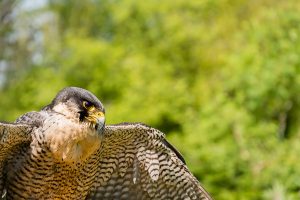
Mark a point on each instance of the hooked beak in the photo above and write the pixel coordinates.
(97, 118)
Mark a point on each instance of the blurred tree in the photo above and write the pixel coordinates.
(20, 38)
(221, 78)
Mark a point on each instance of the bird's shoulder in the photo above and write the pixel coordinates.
(21, 128)
(140, 130)
(33, 118)
(132, 130)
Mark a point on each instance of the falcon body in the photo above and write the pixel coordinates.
(53, 165)
(65, 151)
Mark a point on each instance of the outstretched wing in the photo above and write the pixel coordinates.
(11, 135)
(136, 162)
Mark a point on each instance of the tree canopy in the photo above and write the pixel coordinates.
(220, 78)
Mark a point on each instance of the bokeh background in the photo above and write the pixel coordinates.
(220, 77)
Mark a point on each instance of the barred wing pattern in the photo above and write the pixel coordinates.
(134, 162)
(11, 136)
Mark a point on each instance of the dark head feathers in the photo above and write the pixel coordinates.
(77, 94)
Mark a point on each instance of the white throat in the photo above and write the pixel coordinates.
(68, 141)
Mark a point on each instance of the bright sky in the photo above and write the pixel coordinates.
(32, 4)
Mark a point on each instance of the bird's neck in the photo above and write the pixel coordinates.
(71, 144)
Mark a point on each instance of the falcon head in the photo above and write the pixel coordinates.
(77, 132)
(80, 105)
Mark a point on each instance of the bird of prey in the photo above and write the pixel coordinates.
(65, 151)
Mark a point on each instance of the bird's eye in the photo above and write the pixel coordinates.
(86, 104)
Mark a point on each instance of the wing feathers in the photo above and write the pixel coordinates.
(144, 164)
(12, 131)
(11, 135)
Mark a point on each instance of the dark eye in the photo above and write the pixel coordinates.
(87, 104)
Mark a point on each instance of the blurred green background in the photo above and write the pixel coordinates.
(220, 77)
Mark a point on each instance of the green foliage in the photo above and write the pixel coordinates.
(220, 78)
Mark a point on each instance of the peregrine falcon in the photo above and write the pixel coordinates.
(65, 151)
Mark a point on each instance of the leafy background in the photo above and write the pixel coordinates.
(220, 77)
